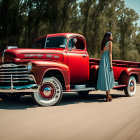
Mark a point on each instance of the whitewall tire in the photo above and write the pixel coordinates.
(49, 93)
(130, 90)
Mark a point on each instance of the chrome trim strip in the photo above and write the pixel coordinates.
(56, 56)
(10, 69)
(84, 89)
(11, 82)
(33, 55)
(3, 55)
(17, 81)
(15, 72)
(49, 56)
(84, 55)
(27, 75)
(15, 90)
(11, 65)
(12, 47)
(15, 78)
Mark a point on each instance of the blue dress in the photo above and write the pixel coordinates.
(105, 80)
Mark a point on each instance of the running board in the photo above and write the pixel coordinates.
(83, 89)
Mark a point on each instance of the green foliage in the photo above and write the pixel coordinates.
(24, 20)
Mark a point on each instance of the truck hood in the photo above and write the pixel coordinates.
(12, 55)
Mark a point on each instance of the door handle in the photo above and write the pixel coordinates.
(84, 55)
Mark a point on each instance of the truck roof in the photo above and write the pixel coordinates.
(62, 34)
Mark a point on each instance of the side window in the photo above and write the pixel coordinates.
(76, 43)
(80, 44)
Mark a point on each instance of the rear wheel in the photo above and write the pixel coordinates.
(49, 93)
(130, 90)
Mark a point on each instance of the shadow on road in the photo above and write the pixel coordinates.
(74, 98)
(68, 98)
(23, 103)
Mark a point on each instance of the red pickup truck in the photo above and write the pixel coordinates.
(52, 66)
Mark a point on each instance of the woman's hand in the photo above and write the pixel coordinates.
(111, 67)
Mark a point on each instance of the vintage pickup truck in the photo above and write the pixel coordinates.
(52, 66)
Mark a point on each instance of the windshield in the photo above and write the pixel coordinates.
(56, 42)
(51, 42)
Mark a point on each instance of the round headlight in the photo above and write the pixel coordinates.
(29, 66)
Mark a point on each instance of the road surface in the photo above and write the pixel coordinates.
(73, 119)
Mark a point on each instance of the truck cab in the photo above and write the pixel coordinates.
(72, 57)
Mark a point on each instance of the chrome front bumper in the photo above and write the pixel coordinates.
(16, 78)
(26, 88)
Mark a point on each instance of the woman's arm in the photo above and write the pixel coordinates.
(110, 52)
(101, 52)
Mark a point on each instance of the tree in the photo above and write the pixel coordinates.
(24, 20)
(127, 30)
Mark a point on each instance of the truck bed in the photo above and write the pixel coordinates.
(118, 63)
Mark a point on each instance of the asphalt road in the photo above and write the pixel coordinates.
(73, 119)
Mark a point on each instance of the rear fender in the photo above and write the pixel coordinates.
(94, 72)
(125, 75)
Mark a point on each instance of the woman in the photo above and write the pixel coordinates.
(105, 79)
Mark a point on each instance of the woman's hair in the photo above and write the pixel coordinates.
(105, 39)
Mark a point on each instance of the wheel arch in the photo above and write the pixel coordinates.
(135, 75)
(58, 74)
(125, 75)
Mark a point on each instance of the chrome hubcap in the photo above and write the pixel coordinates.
(132, 86)
(47, 91)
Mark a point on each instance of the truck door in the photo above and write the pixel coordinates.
(78, 60)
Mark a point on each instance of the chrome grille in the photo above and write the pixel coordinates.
(17, 74)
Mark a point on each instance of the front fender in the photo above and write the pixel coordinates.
(39, 68)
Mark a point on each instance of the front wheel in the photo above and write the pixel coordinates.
(49, 93)
(130, 90)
